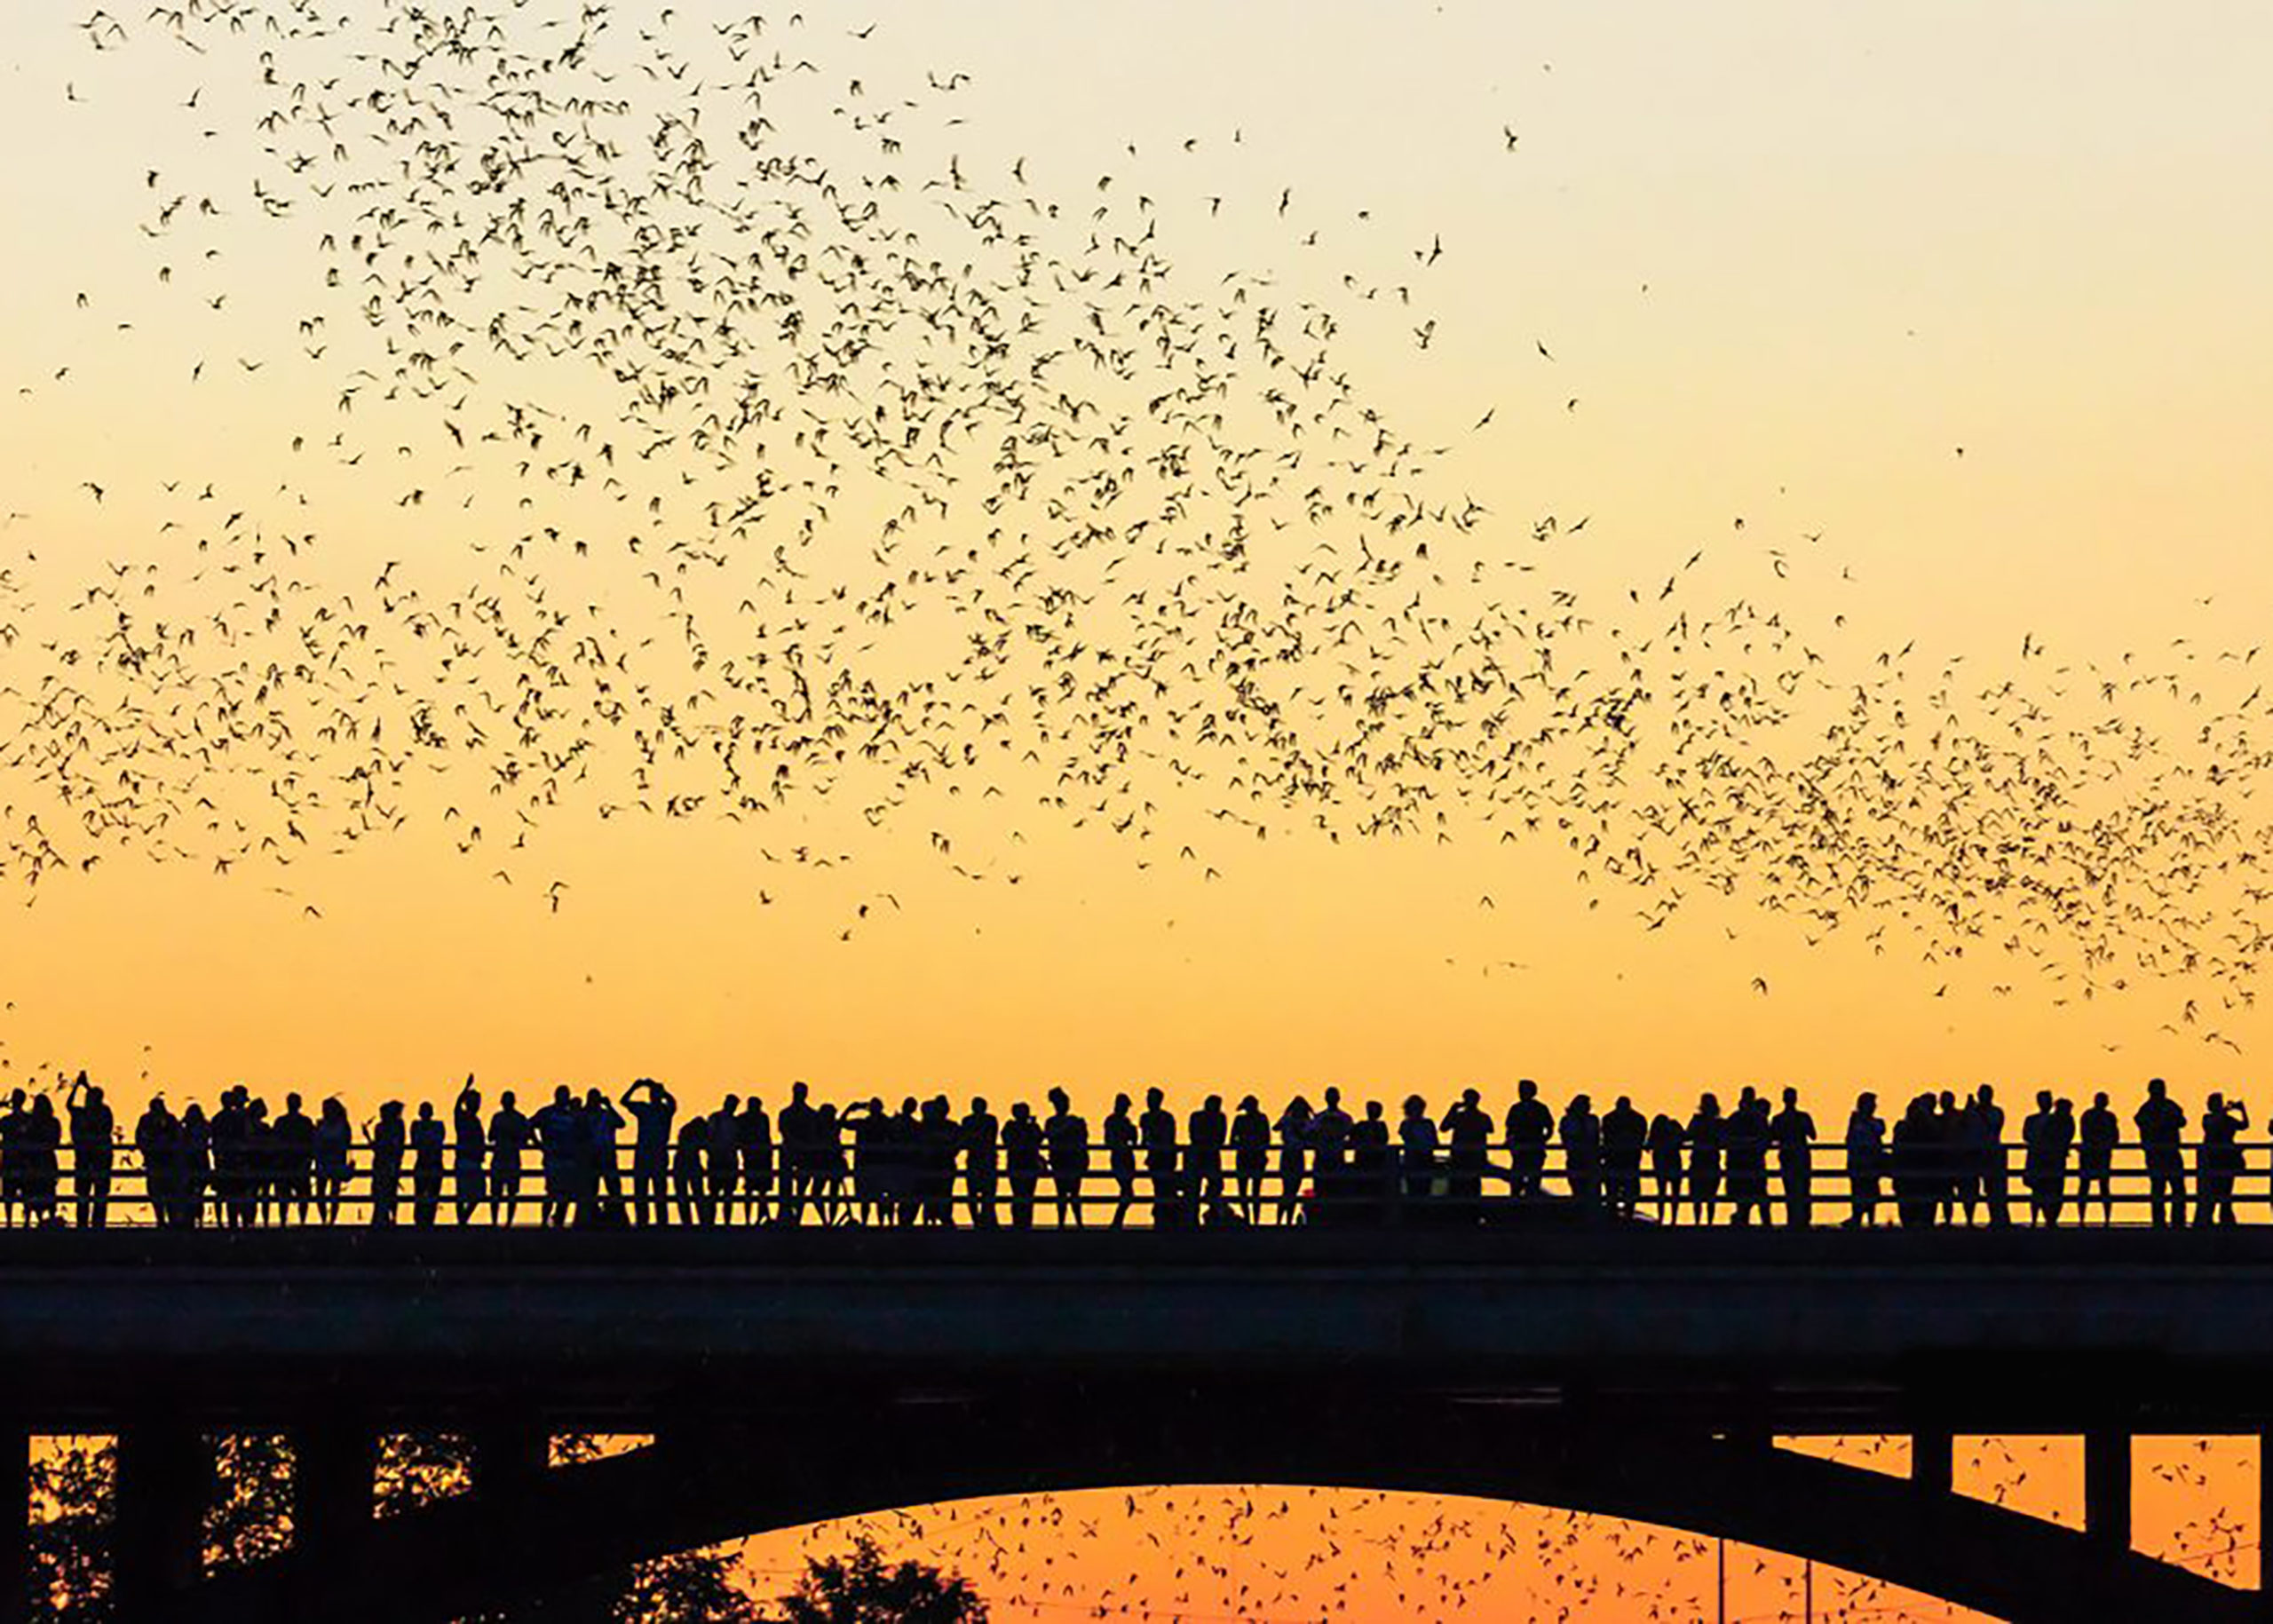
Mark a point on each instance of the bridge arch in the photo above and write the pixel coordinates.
(701, 1486)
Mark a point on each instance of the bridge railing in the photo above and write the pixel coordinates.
(2187, 1183)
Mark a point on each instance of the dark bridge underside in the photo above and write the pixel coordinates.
(801, 1377)
(1971, 1332)
(443, 1563)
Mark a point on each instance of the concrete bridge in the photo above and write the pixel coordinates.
(787, 1377)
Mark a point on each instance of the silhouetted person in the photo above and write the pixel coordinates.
(1250, 1158)
(1329, 1138)
(429, 1147)
(40, 1145)
(793, 1127)
(722, 1157)
(1204, 1144)
(825, 1152)
(754, 1147)
(1581, 1134)
(600, 1180)
(509, 1139)
(2097, 1133)
(1944, 1156)
(226, 1142)
(1294, 1130)
(1744, 1139)
(333, 1145)
(981, 1141)
(1666, 1141)
(1793, 1131)
(1121, 1158)
(1865, 1162)
(294, 1141)
(1372, 1168)
(2160, 1122)
(1530, 1126)
(196, 1163)
(265, 1159)
(2045, 1140)
(1968, 1160)
(690, 1184)
(1625, 1132)
(940, 1144)
(1416, 1148)
(1068, 1137)
(1996, 1168)
(1156, 1130)
(1914, 1164)
(1022, 1161)
(652, 1108)
(2218, 1162)
(556, 1127)
(1706, 1128)
(1468, 1136)
(470, 1150)
(871, 1127)
(13, 1123)
(157, 1142)
(390, 1139)
(93, 1132)
(882, 1155)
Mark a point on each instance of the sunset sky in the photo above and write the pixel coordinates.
(1936, 325)
(1787, 263)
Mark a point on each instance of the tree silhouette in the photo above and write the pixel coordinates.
(250, 1517)
(860, 1589)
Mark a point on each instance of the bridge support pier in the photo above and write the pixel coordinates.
(15, 1521)
(2107, 1488)
(510, 1457)
(1933, 1461)
(335, 1468)
(163, 1480)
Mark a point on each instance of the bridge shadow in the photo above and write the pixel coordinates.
(713, 1481)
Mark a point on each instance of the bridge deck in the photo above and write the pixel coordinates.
(2010, 1331)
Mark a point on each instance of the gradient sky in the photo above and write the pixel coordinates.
(1787, 262)
(1975, 295)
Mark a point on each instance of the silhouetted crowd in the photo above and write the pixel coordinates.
(1944, 1160)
